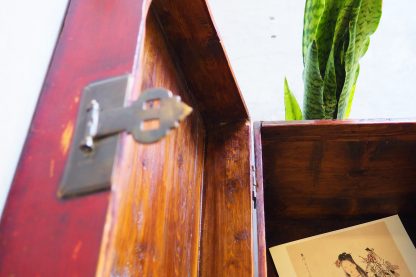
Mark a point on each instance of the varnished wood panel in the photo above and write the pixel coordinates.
(226, 248)
(343, 169)
(155, 210)
(152, 223)
(192, 35)
(41, 235)
(321, 176)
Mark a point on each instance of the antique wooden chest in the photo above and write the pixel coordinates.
(214, 194)
(319, 176)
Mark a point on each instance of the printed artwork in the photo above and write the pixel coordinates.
(375, 265)
(369, 250)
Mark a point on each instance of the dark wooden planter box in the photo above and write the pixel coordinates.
(188, 205)
(319, 176)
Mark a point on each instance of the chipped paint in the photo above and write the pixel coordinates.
(66, 137)
(76, 99)
(51, 168)
(76, 250)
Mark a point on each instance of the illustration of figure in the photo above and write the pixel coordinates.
(350, 267)
(379, 267)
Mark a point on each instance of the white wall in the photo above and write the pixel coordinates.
(28, 32)
(263, 41)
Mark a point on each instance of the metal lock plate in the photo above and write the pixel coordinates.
(101, 117)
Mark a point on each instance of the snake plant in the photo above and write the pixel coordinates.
(336, 34)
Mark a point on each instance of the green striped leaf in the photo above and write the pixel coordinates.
(336, 35)
(368, 21)
(348, 110)
(312, 15)
(313, 99)
(348, 12)
(325, 31)
(364, 23)
(350, 75)
(330, 89)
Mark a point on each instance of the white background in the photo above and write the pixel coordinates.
(28, 31)
(262, 39)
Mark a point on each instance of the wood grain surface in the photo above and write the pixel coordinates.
(154, 219)
(226, 248)
(41, 235)
(155, 206)
(321, 176)
(189, 28)
(162, 194)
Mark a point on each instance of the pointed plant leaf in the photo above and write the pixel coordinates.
(361, 27)
(339, 62)
(350, 73)
(365, 47)
(348, 12)
(312, 15)
(313, 99)
(348, 111)
(330, 88)
(336, 35)
(325, 31)
(348, 33)
(292, 109)
(368, 21)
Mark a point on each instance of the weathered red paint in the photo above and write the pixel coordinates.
(41, 235)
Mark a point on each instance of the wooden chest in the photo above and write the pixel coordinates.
(319, 176)
(208, 199)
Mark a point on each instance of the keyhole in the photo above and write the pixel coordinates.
(151, 104)
(150, 124)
